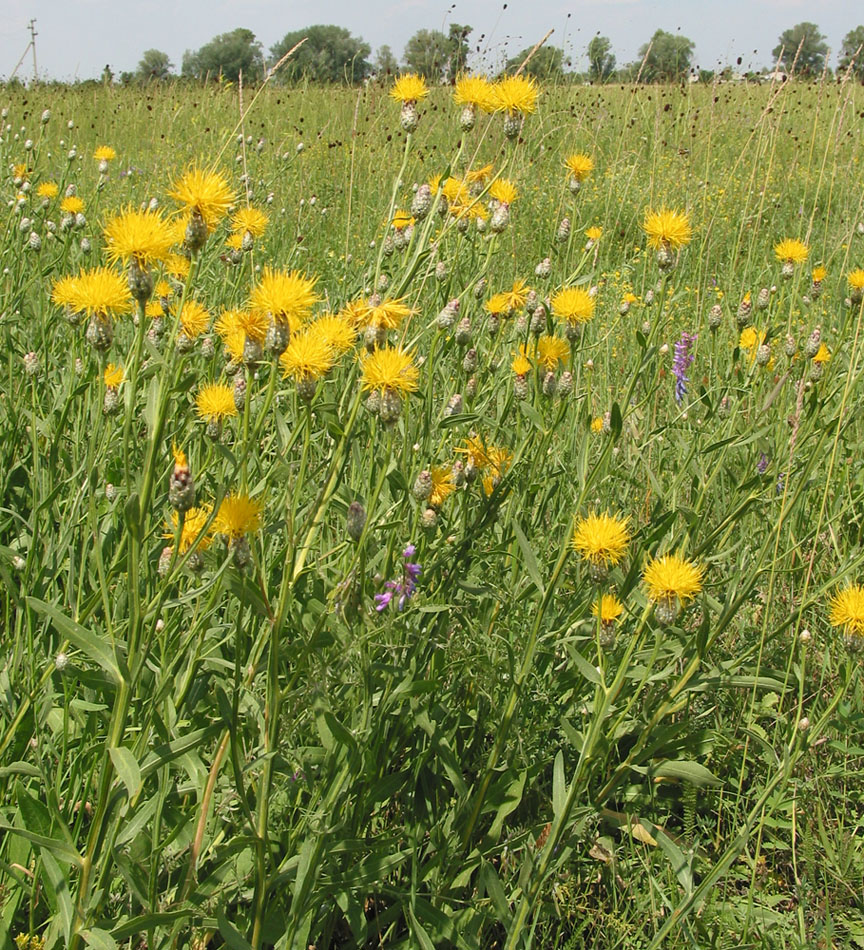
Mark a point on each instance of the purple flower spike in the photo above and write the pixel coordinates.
(683, 360)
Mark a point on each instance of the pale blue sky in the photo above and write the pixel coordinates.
(76, 38)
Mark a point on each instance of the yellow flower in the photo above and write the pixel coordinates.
(177, 266)
(847, 610)
(100, 291)
(823, 354)
(476, 451)
(20, 171)
(819, 274)
(390, 368)
(791, 249)
(113, 376)
(153, 309)
(508, 301)
(104, 153)
(521, 365)
(215, 402)
(336, 331)
(474, 90)
(667, 229)
(402, 219)
(498, 464)
(629, 298)
(601, 539)
(551, 350)
(194, 319)
(597, 425)
(142, 236)
(515, 94)
(287, 297)
(856, 279)
(205, 193)
(751, 339)
(442, 485)
(388, 314)
(478, 175)
(307, 357)
(594, 234)
(63, 291)
(251, 220)
(193, 533)
(47, 189)
(609, 608)
(235, 240)
(238, 515)
(455, 189)
(72, 204)
(409, 88)
(672, 580)
(574, 305)
(503, 190)
(579, 165)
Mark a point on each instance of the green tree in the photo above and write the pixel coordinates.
(226, 56)
(458, 49)
(666, 57)
(853, 48)
(154, 64)
(601, 61)
(813, 49)
(386, 63)
(330, 54)
(427, 53)
(547, 63)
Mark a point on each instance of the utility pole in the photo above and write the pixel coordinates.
(33, 35)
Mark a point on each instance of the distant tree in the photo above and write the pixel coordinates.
(600, 59)
(330, 54)
(666, 57)
(547, 63)
(458, 49)
(385, 63)
(427, 53)
(154, 64)
(814, 49)
(853, 46)
(226, 56)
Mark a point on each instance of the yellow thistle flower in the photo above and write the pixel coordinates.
(72, 204)
(390, 368)
(819, 274)
(594, 233)
(104, 153)
(856, 279)
(205, 193)
(667, 229)
(521, 365)
(601, 539)
(388, 314)
(100, 291)
(574, 305)
(402, 219)
(193, 533)
(456, 189)
(597, 425)
(551, 350)
(113, 376)
(442, 484)
(474, 90)
(142, 236)
(477, 452)
(252, 220)
(579, 165)
(515, 95)
(630, 298)
(337, 331)
(63, 291)
(286, 296)
(672, 580)
(238, 515)
(791, 250)
(499, 460)
(503, 190)
(354, 311)
(409, 87)
(234, 241)
(847, 610)
(163, 289)
(215, 402)
(609, 609)
(751, 339)
(823, 354)
(153, 309)
(20, 171)
(477, 176)
(307, 357)
(47, 189)
(194, 319)
(467, 209)
(177, 266)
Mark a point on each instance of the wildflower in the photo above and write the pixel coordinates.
(336, 331)
(387, 314)
(477, 176)
(473, 92)
(409, 87)
(504, 191)
(72, 205)
(47, 190)
(287, 298)
(390, 368)
(100, 292)
(251, 221)
(442, 485)
(402, 220)
(856, 285)
(516, 97)
(177, 266)
(551, 351)
(194, 319)
(602, 541)
(597, 425)
(215, 403)
(593, 234)
(574, 305)
(205, 197)
(580, 167)
(607, 608)
(138, 237)
(667, 232)
(195, 534)
(238, 516)
(762, 464)
(306, 359)
(683, 360)
(749, 338)
(823, 354)
(113, 376)
(402, 589)
(671, 581)
(791, 251)
(104, 153)
(521, 365)
(499, 460)
(847, 611)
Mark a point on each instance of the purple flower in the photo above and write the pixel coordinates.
(682, 362)
(762, 464)
(404, 588)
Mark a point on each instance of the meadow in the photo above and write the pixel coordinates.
(441, 538)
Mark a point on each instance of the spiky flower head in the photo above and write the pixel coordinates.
(238, 516)
(288, 297)
(573, 304)
(387, 314)
(98, 292)
(476, 176)
(819, 274)
(177, 266)
(504, 191)
(409, 87)
(442, 484)
(823, 354)
(579, 165)
(308, 356)
(847, 610)
(249, 220)
(63, 291)
(666, 229)
(791, 250)
(104, 153)
(144, 237)
(608, 608)
(474, 90)
(47, 189)
(204, 193)
(594, 233)
(521, 365)
(402, 220)
(113, 376)
(672, 579)
(336, 331)
(515, 95)
(194, 319)
(215, 402)
(390, 369)
(195, 533)
(552, 350)
(601, 539)
(72, 204)
(856, 285)
(499, 460)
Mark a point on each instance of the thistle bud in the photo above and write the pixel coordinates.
(391, 407)
(480, 288)
(165, 559)
(99, 333)
(278, 337)
(744, 310)
(811, 347)
(252, 351)
(817, 370)
(469, 361)
(208, 348)
(763, 355)
(429, 519)
(500, 219)
(521, 325)
(181, 487)
(724, 408)
(383, 283)
(563, 233)
(388, 246)
(550, 384)
(565, 385)
(31, 364)
(454, 405)
(666, 611)
(140, 282)
(463, 332)
(471, 387)
(665, 258)
(196, 233)
(538, 321)
(512, 125)
(307, 386)
(457, 473)
(213, 429)
(763, 298)
(790, 347)
(520, 387)
(355, 521)
(440, 271)
(467, 118)
(111, 402)
(649, 297)
(373, 402)
(241, 553)
(422, 486)
(787, 271)
(240, 392)
(544, 268)
(409, 117)
(421, 202)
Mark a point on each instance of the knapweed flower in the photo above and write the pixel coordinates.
(593, 234)
(580, 167)
(390, 368)
(387, 314)
(104, 153)
(521, 365)
(113, 376)
(608, 609)
(287, 297)
(195, 533)
(498, 464)
(442, 485)
(307, 357)
(402, 220)
(409, 87)
(574, 305)
(602, 541)
(204, 194)
(405, 587)
(515, 95)
(47, 190)
(503, 191)
(856, 285)
(177, 266)
(72, 204)
(552, 350)
(791, 250)
(823, 354)
(474, 91)
(477, 176)
(100, 292)
(819, 274)
(251, 221)
(194, 319)
(337, 331)
(667, 230)
(215, 402)
(681, 363)
(671, 582)
(847, 611)
(238, 516)
(144, 237)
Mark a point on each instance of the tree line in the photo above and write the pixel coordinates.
(330, 54)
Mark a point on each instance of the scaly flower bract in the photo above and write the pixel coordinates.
(390, 368)
(205, 193)
(142, 236)
(601, 539)
(215, 402)
(667, 229)
(409, 87)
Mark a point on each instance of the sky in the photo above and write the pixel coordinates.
(77, 38)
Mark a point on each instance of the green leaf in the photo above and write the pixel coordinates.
(60, 848)
(559, 785)
(58, 882)
(585, 668)
(173, 750)
(127, 768)
(88, 642)
(100, 939)
(530, 560)
(333, 733)
(682, 769)
(231, 935)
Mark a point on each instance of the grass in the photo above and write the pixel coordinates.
(231, 746)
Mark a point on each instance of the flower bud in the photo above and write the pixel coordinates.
(355, 521)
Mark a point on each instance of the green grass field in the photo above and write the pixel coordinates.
(356, 692)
